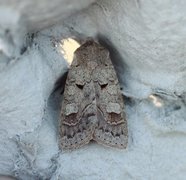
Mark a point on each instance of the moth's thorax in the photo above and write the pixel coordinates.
(92, 65)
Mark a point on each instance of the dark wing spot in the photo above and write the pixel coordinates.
(79, 86)
(103, 86)
(69, 136)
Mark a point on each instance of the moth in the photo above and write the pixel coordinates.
(93, 106)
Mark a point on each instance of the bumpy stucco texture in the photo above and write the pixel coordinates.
(146, 40)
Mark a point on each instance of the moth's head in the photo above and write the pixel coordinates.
(91, 51)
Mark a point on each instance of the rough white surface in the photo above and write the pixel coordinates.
(147, 44)
(17, 17)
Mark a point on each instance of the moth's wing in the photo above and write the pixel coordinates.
(77, 122)
(112, 125)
